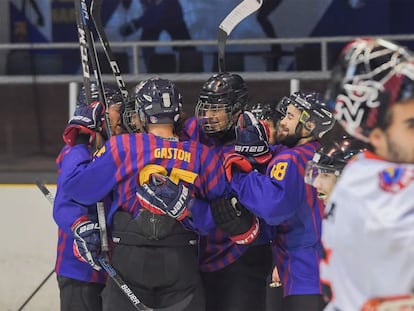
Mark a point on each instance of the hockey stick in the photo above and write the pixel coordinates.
(113, 274)
(83, 12)
(95, 12)
(83, 53)
(83, 23)
(105, 265)
(37, 288)
(239, 13)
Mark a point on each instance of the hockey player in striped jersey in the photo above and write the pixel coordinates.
(155, 253)
(283, 200)
(369, 218)
(234, 274)
(80, 285)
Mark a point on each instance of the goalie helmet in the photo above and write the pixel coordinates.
(332, 157)
(112, 94)
(367, 79)
(158, 101)
(222, 98)
(315, 115)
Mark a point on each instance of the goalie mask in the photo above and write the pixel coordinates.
(158, 101)
(222, 98)
(365, 82)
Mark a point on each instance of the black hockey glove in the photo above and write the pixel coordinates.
(87, 241)
(235, 220)
(163, 196)
(85, 120)
(252, 139)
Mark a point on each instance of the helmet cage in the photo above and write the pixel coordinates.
(130, 117)
(364, 83)
(208, 116)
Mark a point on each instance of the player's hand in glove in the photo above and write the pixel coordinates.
(163, 196)
(252, 139)
(235, 162)
(87, 241)
(235, 220)
(85, 120)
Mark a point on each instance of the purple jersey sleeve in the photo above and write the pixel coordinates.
(65, 210)
(278, 195)
(127, 160)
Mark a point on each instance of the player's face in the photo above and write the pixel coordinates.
(396, 143)
(286, 131)
(217, 119)
(324, 184)
(115, 119)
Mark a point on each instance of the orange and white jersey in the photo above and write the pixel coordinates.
(368, 233)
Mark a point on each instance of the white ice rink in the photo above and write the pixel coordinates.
(28, 237)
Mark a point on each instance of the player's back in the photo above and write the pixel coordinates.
(140, 155)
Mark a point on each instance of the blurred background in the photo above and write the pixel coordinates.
(288, 44)
(285, 40)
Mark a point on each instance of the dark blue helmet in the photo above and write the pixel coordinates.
(222, 92)
(315, 116)
(332, 157)
(112, 94)
(158, 101)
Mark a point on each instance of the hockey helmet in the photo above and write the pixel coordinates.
(315, 116)
(332, 157)
(367, 79)
(158, 101)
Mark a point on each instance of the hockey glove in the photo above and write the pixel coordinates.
(235, 162)
(87, 241)
(235, 220)
(85, 120)
(252, 139)
(163, 196)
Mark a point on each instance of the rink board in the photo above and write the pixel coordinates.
(28, 238)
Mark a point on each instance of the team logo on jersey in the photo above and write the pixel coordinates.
(394, 179)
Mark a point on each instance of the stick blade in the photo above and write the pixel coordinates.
(239, 13)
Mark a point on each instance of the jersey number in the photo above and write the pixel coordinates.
(279, 170)
(176, 174)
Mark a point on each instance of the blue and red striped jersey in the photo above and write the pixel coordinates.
(126, 162)
(283, 199)
(217, 250)
(65, 213)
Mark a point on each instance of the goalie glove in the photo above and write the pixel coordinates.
(252, 139)
(87, 241)
(235, 220)
(85, 120)
(163, 196)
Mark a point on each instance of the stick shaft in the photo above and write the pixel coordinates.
(239, 13)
